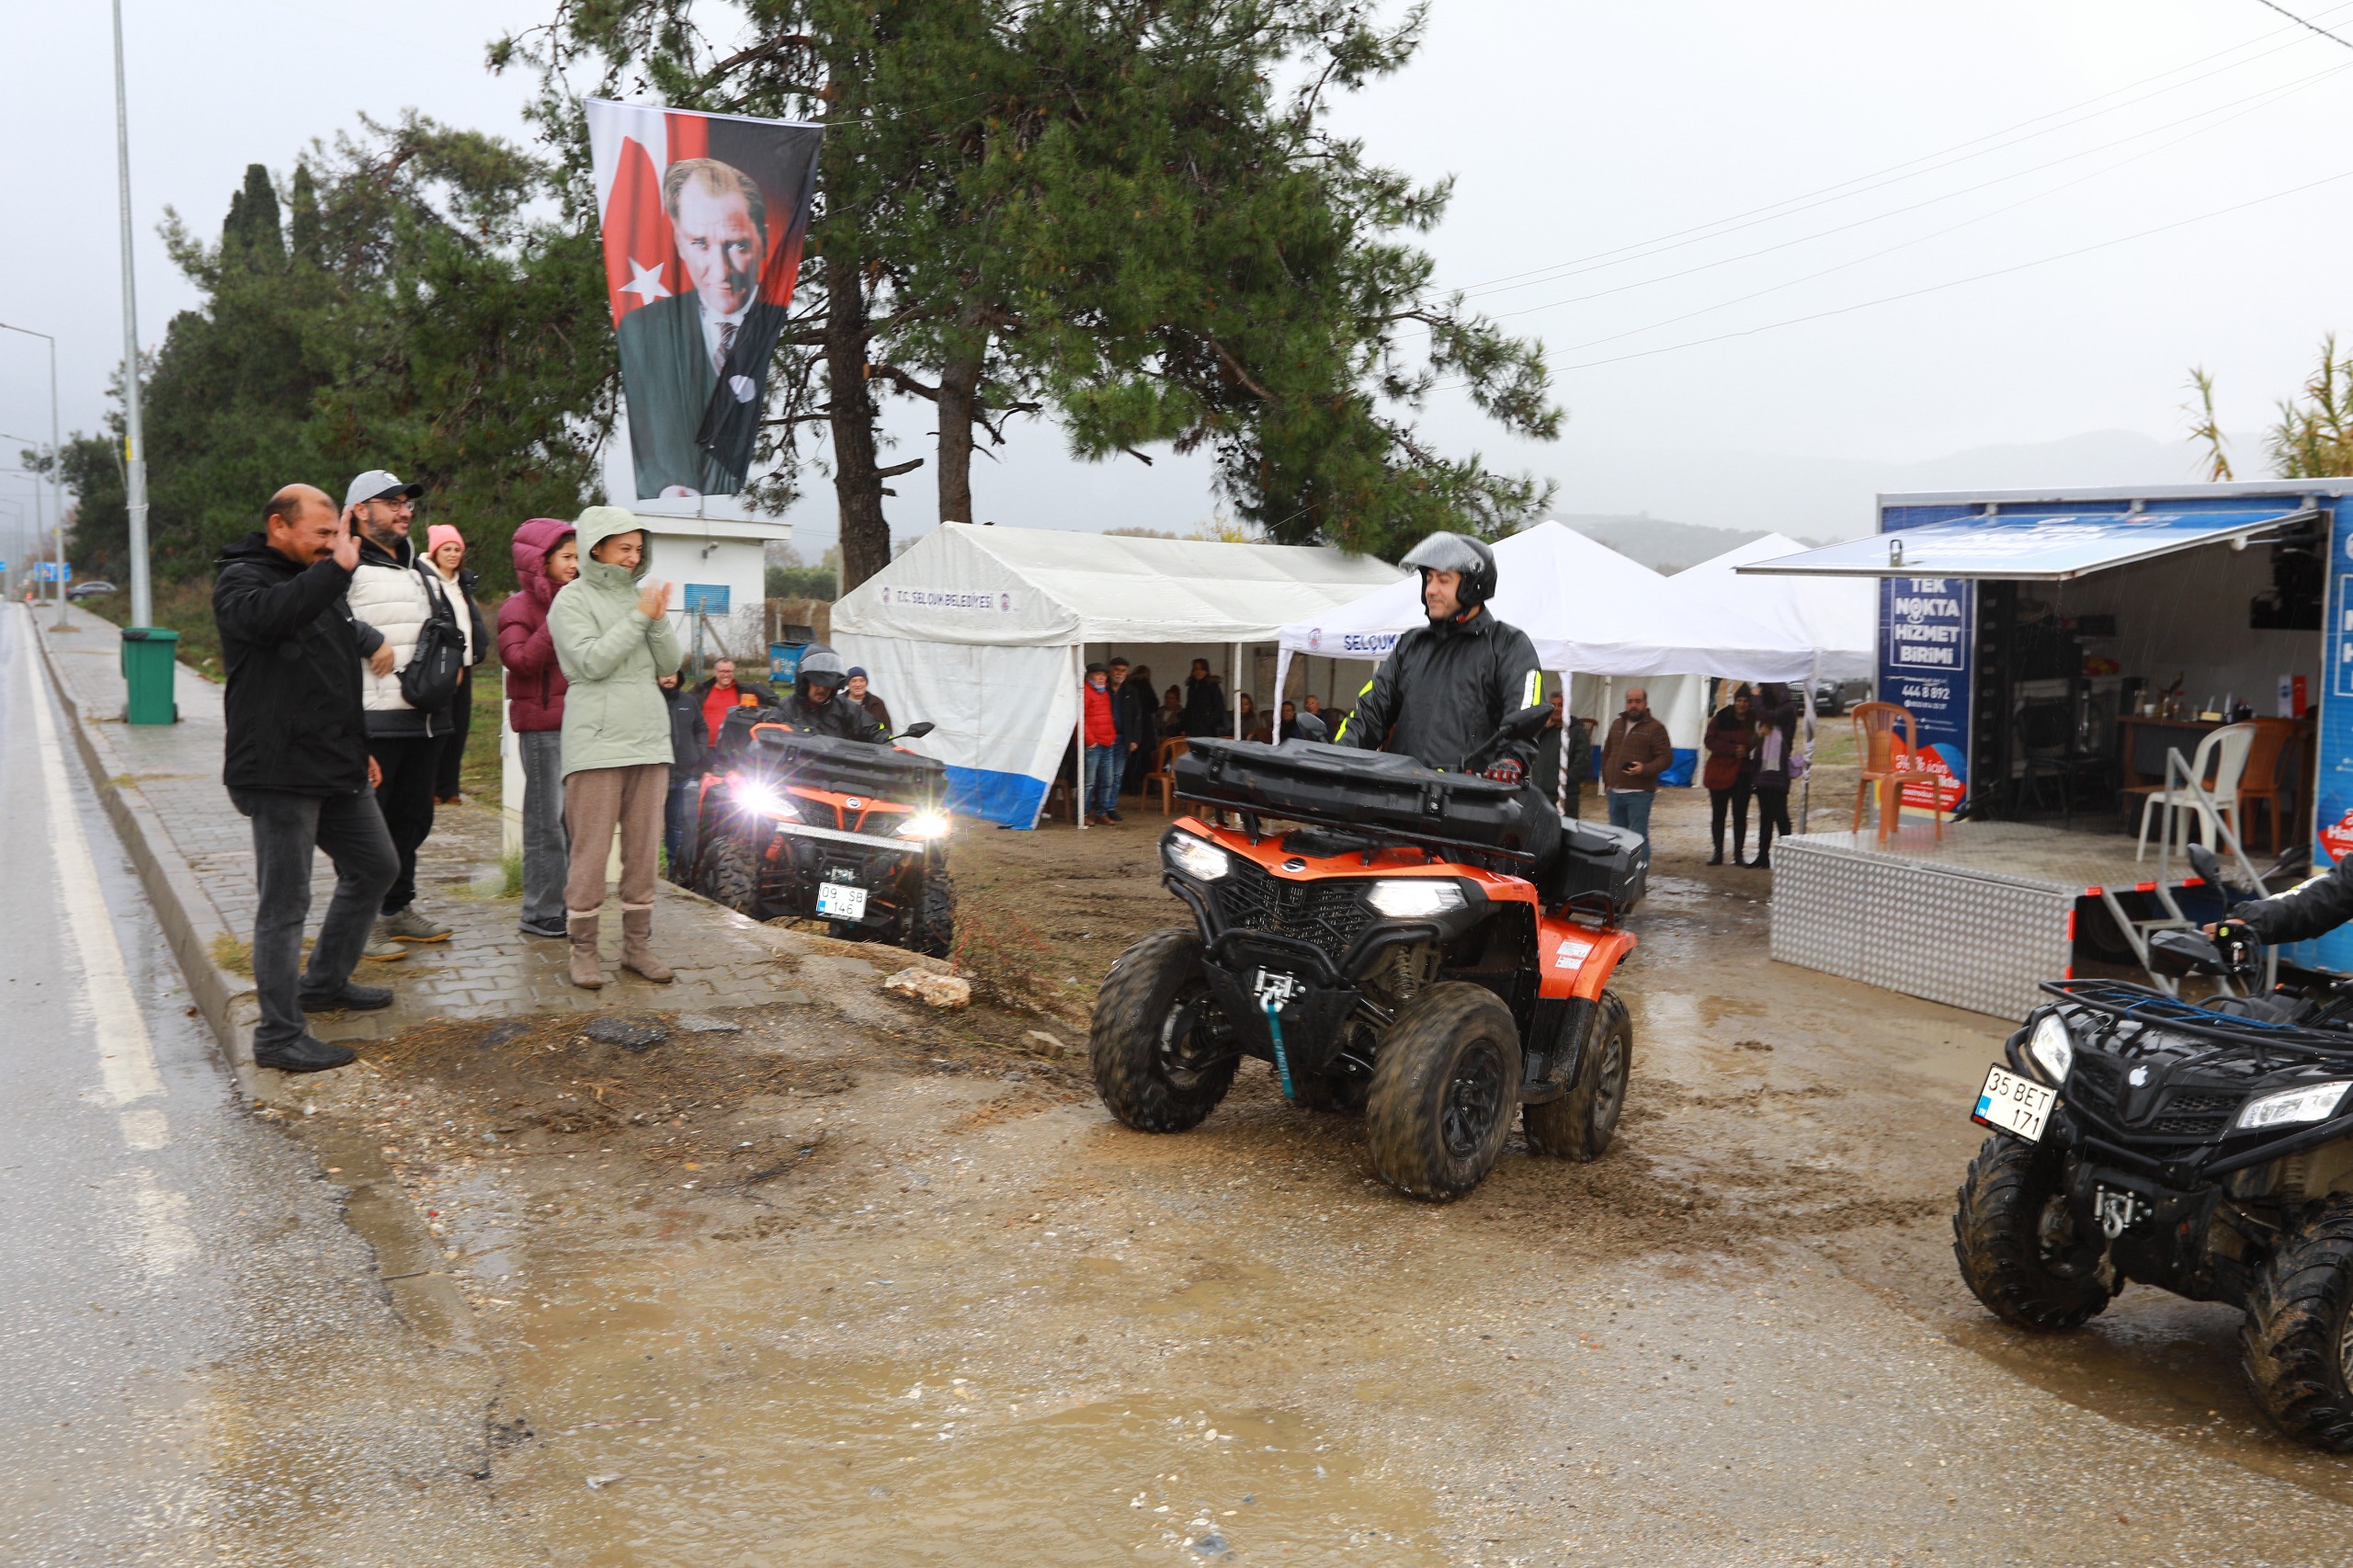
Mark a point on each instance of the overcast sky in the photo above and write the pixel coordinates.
(1785, 161)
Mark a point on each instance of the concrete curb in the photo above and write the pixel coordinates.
(190, 924)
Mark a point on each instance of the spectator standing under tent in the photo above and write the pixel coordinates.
(1104, 757)
(296, 764)
(546, 557)
(612, 632)
(1169, 717)
(719, 692)
(394, 593)
(1638, 751)
(1204, 702)
(1731, 774)
(1563, 734)
(445, 554)
(1246, 719)
(1778, 764)
(1131, 714)
(859, 690)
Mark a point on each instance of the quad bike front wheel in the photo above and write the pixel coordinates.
(935, 926)
(1444, 1088)
(2296, 1347)
(2015, 1241)
(729, 873)
(1164, 1054)
(1578, 1125)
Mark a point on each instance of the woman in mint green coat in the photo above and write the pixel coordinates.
(612, 636)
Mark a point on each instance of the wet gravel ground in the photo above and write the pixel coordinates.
(914, 1298)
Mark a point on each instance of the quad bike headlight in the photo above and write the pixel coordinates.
(925, 824)
(765, 800)
(1407, 898)
(1198, 858)
(2312, 1102)
(2053, 1048)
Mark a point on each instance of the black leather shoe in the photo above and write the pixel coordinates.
(553, 933)
(354, 998)
(303, 1055)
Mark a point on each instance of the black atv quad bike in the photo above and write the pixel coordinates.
(2206, 1150)
(818, 828)
(1370, 930)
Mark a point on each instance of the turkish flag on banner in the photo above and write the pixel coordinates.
(700, 281)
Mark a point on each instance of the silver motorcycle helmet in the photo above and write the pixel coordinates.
(820, 667)
(1459, 553)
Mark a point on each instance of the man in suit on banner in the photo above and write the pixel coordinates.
(694, 365)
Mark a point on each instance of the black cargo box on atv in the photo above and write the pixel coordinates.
(1308, 780)
(847, 767)
(1596, 859)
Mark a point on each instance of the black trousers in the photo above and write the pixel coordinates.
(1772, 811)
(451, 756)
(405, 797)
(287, 829)
(1736, 799)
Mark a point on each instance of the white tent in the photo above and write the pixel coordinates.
(1837, 616)
(1591, 613)
(984, 631)
(1588, 610)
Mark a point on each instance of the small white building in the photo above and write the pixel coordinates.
(712, 560)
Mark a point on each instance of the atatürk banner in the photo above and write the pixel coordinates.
(704, 216)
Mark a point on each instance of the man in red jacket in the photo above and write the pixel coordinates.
(547, 556)
(1106, 758)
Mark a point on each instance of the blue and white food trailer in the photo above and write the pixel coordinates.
(2049, 645)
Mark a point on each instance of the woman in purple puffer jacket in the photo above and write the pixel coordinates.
(546, 558)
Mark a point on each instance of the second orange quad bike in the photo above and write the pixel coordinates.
(1377, 931)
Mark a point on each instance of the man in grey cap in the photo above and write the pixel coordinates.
(395, 599)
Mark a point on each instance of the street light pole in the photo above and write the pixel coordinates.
(134, 454)
(56, 493)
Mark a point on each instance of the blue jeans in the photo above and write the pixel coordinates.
(1104, 768)
(1631, 808)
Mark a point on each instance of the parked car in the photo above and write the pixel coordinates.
(97, 587)
(1833, 697)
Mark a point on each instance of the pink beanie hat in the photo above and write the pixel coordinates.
(440, 534)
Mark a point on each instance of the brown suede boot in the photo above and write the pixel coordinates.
(637, 931)
(582, 928)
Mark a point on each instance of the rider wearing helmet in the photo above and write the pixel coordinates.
(1445, 687)
(816, 704)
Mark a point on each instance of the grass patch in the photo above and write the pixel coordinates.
(230, 954)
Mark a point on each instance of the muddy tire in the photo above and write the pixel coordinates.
(2297, 1337)
(729, 873)
(934, 932)
(1444, 1088)
(2016, 1242)
(1163, 1053)
(1578, 1125)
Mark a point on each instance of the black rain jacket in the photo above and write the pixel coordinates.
(293, 654)
(2312, 908)
(839, 717)
(1444, 688)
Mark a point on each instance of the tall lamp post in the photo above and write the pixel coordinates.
(134, 455)
(32, 554)
(56, 496)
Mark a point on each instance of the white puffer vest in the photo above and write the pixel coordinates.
(391, 594)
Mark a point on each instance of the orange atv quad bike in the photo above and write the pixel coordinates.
(1372, 930)
(848, 832)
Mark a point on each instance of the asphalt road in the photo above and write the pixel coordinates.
(199, 1364)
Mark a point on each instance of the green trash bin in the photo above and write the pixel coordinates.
(148, 654)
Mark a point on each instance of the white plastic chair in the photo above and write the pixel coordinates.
(2224, 751)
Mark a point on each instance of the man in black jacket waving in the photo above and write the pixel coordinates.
(297, 765)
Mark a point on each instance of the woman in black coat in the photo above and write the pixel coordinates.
(1204, 702)
(1777, 742)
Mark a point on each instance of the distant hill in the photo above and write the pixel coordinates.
(1661, 545)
